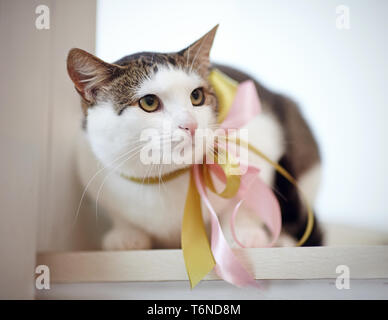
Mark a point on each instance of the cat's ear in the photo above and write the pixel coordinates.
(89, 73)
(198, 53)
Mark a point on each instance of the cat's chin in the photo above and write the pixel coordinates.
(152, 170)
(136, 168)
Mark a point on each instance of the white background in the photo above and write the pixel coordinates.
(339, 77)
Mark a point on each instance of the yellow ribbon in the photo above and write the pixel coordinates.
(225, 89)
(197, 254)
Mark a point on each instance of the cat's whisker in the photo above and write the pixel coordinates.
(160, 176)
(91, 180)
(147, 175)
(135, 151)
(165, 189)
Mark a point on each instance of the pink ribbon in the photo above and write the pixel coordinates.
(253, 192)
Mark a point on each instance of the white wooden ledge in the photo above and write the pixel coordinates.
(364, 262)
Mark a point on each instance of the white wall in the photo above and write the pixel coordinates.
(24, 82)
(39, 115)
(338, 76)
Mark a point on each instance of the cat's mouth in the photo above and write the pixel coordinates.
(177, 147)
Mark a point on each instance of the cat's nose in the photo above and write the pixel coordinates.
(190, 127)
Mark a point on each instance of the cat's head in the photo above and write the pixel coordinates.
(166, 92)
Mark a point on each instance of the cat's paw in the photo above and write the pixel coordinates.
(285, 240)
(122, 239)
(253, 237)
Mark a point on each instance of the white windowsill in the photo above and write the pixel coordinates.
(364, 262)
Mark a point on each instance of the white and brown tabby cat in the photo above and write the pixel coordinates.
(147, 90)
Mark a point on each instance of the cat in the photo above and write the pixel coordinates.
(148, 89)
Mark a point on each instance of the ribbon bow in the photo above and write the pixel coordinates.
(238, 103)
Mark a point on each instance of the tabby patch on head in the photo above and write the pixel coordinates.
(140, 91)
(96, 80)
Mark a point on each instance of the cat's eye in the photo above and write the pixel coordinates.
(149, 103)
(197, 97)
